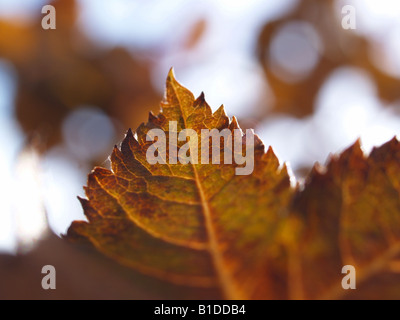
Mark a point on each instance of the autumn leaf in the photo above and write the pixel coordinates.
(198, 225)
(351, 216)
(245, 236)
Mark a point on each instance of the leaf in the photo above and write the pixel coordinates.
(197, 225)
(251, 236)
(78, 271)
(351, 216)
(56, 74)
(298, 95)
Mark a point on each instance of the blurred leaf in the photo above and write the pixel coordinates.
(339, 48)
(251, 237)
(196, 34)
(81, 273)
(351, 216)
(61, 70)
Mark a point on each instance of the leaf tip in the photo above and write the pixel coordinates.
(352, 153)
(129, 133)
(171, 72)
(317, 170)
(202, 97)
(394, 141)
(83, 201)
(358, 143)
(171, 76)
(152, 117)
(270, 156)
(234, 124)
(220, 111)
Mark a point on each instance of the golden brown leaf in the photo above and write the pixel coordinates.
(198, 225)
(351, 216)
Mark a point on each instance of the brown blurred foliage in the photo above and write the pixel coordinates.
(60, 70)
(81, 273)
(340, 48)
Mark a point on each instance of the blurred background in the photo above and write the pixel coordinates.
(285, 68)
